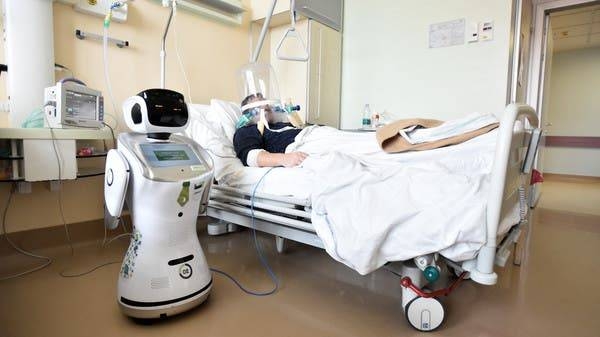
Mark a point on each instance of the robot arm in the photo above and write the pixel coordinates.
(116, 180)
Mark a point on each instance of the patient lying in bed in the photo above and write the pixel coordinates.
(267, 139)
(266, 149)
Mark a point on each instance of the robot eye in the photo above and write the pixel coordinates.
(136, 114)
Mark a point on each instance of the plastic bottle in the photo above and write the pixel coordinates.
(293, 115)
(366, 117)
(375, 119)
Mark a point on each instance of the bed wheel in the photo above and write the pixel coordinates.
(425, 314)
(458, 272)
(280, 244)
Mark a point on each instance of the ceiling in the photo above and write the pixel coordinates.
(576, 28)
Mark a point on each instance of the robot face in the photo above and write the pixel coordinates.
(155, 111)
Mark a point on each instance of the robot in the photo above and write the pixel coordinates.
(165, 179)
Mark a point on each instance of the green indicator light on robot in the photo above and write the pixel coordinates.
(431, 273)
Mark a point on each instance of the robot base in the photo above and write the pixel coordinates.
(164, 309)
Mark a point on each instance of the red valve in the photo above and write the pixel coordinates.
(406, 282)
(536, 177)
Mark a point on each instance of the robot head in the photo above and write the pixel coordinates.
(156, 112)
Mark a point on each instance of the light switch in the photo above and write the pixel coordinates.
(486, 31)
(472, 32)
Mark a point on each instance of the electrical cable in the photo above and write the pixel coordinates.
(178, 53)
(15, 247)
(112, 132)
(104, 243)
(261, 257)
(64, 274)
(59, 162)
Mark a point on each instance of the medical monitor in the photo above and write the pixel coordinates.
(70, 104)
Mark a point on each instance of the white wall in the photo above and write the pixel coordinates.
(574, 110)
(388, 64)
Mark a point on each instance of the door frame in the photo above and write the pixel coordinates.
(536, 70)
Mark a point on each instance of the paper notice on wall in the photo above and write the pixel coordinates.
(446, 34)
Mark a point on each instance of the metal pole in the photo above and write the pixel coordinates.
(163, 53)
(263, 32)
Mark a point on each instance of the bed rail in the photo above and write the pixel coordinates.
(506, 178)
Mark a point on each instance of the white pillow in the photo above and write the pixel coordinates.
(210, 136)
(226, 114)
(207, 133)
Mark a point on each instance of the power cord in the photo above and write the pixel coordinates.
(59, 162)
(15, 247)
(259, 252)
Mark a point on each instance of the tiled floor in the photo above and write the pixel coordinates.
(552, 294)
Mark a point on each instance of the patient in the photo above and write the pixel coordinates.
(268, 149)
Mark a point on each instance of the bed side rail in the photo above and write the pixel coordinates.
(506, 179)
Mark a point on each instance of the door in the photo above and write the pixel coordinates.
(325, 75)
(544, 102)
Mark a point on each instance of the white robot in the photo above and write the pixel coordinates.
(165, 179)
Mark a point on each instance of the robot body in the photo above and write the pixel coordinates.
(164, 271)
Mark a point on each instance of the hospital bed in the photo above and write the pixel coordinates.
(289, 218)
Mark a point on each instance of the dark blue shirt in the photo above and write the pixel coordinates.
(248, 138)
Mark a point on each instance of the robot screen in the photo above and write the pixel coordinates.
(165, 155)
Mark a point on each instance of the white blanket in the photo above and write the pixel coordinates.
(370, 207)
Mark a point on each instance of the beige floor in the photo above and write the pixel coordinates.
(554, 293)
(571, 194)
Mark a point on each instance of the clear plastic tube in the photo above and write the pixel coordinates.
(107, 76)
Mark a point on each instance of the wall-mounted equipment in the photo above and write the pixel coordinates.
(230, 11)
(327, 12)
(70, 104)
(80, 34)
(100, 8)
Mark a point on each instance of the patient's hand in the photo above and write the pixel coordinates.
(267, 159)
(293, 159)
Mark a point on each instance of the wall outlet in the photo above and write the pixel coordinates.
(472, 32)
(486, 31)
(100, 8)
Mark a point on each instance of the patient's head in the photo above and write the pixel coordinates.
(255, 98)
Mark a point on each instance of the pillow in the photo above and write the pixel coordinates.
(207, 133)
(225, 114)
(210, 136)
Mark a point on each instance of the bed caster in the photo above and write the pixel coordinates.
(220, 228)
(280, 244)
(424, 314)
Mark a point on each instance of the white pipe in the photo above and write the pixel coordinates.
(29, 53)
(163, 53)
(263, 32)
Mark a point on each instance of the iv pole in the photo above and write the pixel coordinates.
(163, 53)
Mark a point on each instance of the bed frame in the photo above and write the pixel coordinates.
(289, 218)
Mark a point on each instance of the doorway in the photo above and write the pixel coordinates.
(566, 33)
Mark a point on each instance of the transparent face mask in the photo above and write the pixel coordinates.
(261, 103)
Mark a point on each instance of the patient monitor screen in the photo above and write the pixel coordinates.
(80, 105)
(166, 155)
